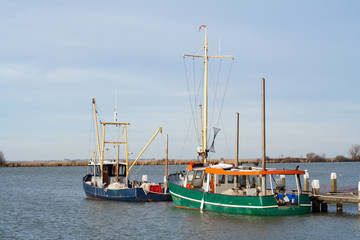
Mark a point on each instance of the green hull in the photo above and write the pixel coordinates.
(250, 205)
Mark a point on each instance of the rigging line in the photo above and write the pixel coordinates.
(201, 95)
(226, 142)
(213, 105)
(186, 137)
(191, 105)
(91, 133)
(227, 83)
(195, 101)
(215, 95)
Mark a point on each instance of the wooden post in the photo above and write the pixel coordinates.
(324, 207)
(315, 185)
(263, 178)
(333, 183)
(306, 181)
(359, 197)
(339, 206)
(166, 163)
(237, 150)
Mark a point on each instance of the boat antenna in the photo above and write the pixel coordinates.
(115, 112)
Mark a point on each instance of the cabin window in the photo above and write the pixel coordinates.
(253, 181)
(190, 175)
(221, 178)
(198, 174)
(91, 170)
(230, 178)
(241, 180)
(122, 170)
(98, 170)
(113, 171)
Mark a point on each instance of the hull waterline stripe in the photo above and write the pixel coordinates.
(223, 205)
(305, 205)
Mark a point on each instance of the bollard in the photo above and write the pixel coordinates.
(359, 197)
(306, 181)
(339, 206)
(333, 183)
(315, 185)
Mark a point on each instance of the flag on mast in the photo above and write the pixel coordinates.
(204, 26)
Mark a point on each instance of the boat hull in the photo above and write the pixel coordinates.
(126, 195)
(249, 205)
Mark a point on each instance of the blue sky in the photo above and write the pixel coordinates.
(57, 55)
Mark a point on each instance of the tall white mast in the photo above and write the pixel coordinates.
(206, 58)
(115, 111)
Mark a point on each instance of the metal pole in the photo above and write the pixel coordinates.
(205, 96)
(166, 162)
(166, 156)
(237, 150)
(263, 182)
(237, 141)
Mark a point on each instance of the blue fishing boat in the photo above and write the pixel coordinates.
(109, 179)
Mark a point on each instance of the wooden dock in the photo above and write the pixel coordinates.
(320, 201)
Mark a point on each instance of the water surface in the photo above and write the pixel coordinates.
(49, 203)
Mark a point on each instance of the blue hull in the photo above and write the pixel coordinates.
(126, 195)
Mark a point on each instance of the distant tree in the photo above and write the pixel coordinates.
(354, 152)
(340, 158)
(310, 156)
(2, 159)
(315, 157)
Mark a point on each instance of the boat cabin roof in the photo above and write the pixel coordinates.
(107, 162)
(251, 172)
(229, 169)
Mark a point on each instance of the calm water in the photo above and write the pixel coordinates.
(49, 203)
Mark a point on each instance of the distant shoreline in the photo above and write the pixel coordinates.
(172, 162)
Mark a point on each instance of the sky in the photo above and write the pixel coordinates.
(55, 56)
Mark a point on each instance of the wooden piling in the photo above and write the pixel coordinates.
(315, 187)
(306, 181)
(339, 206)
(359, 197)
(333, 183)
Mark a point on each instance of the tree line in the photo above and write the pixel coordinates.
(354, 153)
(2, 159)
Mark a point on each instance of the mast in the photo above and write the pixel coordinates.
(206, 58)
(98, 137)
(117, 163)
(115, 107)
(166, 155)
(205, 96)
(237, 141)
(202, 131)
(166, 162)
(237, 149)
(126, 156)
(263, 182)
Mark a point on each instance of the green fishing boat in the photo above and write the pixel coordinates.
(231, 188)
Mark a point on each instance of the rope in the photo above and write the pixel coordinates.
(192, 107)
(226, 142)
(226, 86)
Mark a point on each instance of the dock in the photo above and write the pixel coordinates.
(320, 201)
